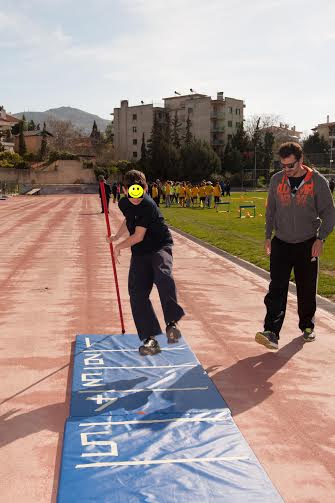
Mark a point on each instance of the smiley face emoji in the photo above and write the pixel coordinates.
(135, 191)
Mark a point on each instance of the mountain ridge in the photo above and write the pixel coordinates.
(79, 118)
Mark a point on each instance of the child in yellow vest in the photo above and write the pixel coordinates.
(182, 194)
(209, 194)
(194, 194)
(202, 194)
(188, 192)
(217, 194)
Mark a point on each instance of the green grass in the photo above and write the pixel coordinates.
(244, 237)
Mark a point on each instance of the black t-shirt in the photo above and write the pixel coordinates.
(295, 182)
(146, 214)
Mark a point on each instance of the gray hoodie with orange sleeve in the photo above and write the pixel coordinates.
(308, 213)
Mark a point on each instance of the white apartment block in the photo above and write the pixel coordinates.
(212, 120)
(327, 130)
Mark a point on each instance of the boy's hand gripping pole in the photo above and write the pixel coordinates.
(104, 202)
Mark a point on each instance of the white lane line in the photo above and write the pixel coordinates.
(204, 388)
(163, 461)
(144, 367)
(167, 420)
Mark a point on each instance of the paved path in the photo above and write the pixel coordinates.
(56, 281)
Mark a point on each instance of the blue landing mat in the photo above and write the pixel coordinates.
(152, 430)
(161, 459)
(111, 378)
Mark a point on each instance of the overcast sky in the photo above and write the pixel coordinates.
(277, 55)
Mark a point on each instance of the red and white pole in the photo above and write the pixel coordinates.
(104, 202)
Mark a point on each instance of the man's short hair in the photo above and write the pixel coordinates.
(133, 177)
(101, 178)
(290, 148)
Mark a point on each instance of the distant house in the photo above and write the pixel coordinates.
(283, 133)
(83, 147)
(33, 140)
(6, 123)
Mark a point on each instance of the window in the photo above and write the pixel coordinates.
(238, 111)
(230, 110)
(134, 117)
(134, 154)
(230, 123)
(134, 129)
(134, 142)
(159, 115)
(237, 124)
(230, 137)
(190, 110)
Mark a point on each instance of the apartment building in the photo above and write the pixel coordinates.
(327, 130)
(130, 123)
(212, 120)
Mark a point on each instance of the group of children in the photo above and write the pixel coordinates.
(186, 194)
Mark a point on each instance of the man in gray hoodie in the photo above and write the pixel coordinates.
(300, 211)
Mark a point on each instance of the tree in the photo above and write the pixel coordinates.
(198, 160)
(22, 143)
(315, 144)
(25, 123)
(269, 140)
(143, 149)
(188, 133)
(31, 126)
(176, 131)
(232, 160)
(265, 121)
(95, 133)
(44, 144)
(109, 133)
(64, 134)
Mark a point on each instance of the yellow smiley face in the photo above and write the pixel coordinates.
(135, 191)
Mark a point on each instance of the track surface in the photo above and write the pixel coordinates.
(56, 281)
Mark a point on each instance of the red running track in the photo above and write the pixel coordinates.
(56, 281)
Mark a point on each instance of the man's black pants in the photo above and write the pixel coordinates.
(285, 257)
(145, 271)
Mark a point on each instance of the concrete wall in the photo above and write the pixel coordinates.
(59, 172)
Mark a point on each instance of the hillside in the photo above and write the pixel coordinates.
(79, 118)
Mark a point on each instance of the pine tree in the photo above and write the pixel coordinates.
(43, 149)
(24, 122)
(315, 144)
(95, 133)
(22, 143)
(31, 125)
(176, 126)
(167, 129)
(143, 149)
(188, 134)
(269, 140)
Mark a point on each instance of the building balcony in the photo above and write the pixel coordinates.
(217, 129)
(217, 115)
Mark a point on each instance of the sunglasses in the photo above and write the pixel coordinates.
(288, 166)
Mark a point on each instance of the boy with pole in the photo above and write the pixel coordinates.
(151, 263)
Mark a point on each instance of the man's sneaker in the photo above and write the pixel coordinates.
(308, 335)
(150, 347)
(173, 333)
(267, 339)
